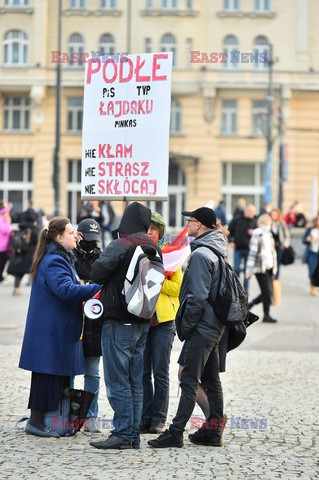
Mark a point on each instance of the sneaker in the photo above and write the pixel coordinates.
(157, 427)
(91, 425)
(16, 292)
(136, 446)
(269, 319)
(145, 425)
(204, 437)
(167, 439)
(112, 442)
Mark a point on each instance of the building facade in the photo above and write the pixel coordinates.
(225, 103)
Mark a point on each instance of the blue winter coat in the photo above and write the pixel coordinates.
(51, 341)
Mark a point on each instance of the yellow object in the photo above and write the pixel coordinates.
(168, 302)
(313, 290)
(276, 287)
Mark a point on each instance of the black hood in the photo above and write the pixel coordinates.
(136, 218)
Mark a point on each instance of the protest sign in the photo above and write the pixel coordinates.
(125, 146)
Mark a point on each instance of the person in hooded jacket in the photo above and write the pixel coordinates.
(197, 324)
(20, 263)
(52, 348)
(85, 254)
(123, 334)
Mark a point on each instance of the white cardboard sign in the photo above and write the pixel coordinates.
(125, 144)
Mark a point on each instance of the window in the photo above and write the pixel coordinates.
(259, 117)
(189, 4)
(16, 114)
(76, 46)
(176, 118)
(171, 210)
(242, 180)
(170, 4)
(231, 5)
(229, 117)
(74, 189)
(230, 47)
(16, 3)
(77, 4)
(168, 44)
(16, 46)
(75, 114)
(262, 5)
(262, 52)
(148, 45)
(189, 48)
(107, 44)
(149, 4)
(108, 4)
(16, 181)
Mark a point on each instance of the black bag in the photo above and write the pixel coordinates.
(231, 303)
(288, 256)
(315, 276)
(21, 240)
(237, 334)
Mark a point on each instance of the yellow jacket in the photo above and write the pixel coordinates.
(168, 302)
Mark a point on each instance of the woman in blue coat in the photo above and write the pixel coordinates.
(52, 349)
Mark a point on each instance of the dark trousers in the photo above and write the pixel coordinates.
(3, 261)
(265, 284)
(201, 363)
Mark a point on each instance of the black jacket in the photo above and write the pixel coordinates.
(113, 263)
(83, 262)
(238, 229)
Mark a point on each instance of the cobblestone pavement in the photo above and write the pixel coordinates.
(262, 388)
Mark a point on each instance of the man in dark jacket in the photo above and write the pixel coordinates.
(123, 334)
(197, 324)
(240, 231)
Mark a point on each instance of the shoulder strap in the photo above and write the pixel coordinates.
(221, 264)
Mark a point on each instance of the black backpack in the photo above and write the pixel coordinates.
(21, 240)
(231, 302)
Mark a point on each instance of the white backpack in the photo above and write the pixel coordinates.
(143, 282)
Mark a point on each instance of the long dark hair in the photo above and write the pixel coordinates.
(56, 226)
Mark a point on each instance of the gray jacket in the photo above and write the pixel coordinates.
(200, 284)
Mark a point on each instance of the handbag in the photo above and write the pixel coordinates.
(288, 256)
(276, 292)
(71, 415)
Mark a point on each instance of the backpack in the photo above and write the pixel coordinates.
(143, 282)
(231, 302)
(21, 240)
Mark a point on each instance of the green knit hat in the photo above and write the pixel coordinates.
(157, 219)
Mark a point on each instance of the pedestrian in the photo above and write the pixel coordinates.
(85, 254)
(220, 212)
(281, 235)
(262, 261)
(5, 236)
(159, 343)
(240, 207)
(311, 240)
(51, 348)
(197, 324)
(240, 231)
(123, 334)
(108, 218)
(24, 244)
(290, 216)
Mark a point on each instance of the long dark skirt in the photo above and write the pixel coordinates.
(46, 391)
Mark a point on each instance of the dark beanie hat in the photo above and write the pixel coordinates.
(204, 215)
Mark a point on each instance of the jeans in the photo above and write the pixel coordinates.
(91, 382)
(201, 363)
(239, 256)
(104, 229)
(123, 349)
(279, 258)
(156, 360)
(312, 262)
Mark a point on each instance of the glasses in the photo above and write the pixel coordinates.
(189, 221)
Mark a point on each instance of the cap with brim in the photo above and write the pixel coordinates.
(89, 229)
(204, 215)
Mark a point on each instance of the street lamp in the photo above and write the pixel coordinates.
(269, 137)
(56, 159)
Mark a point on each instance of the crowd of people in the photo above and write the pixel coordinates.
(67, 267)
